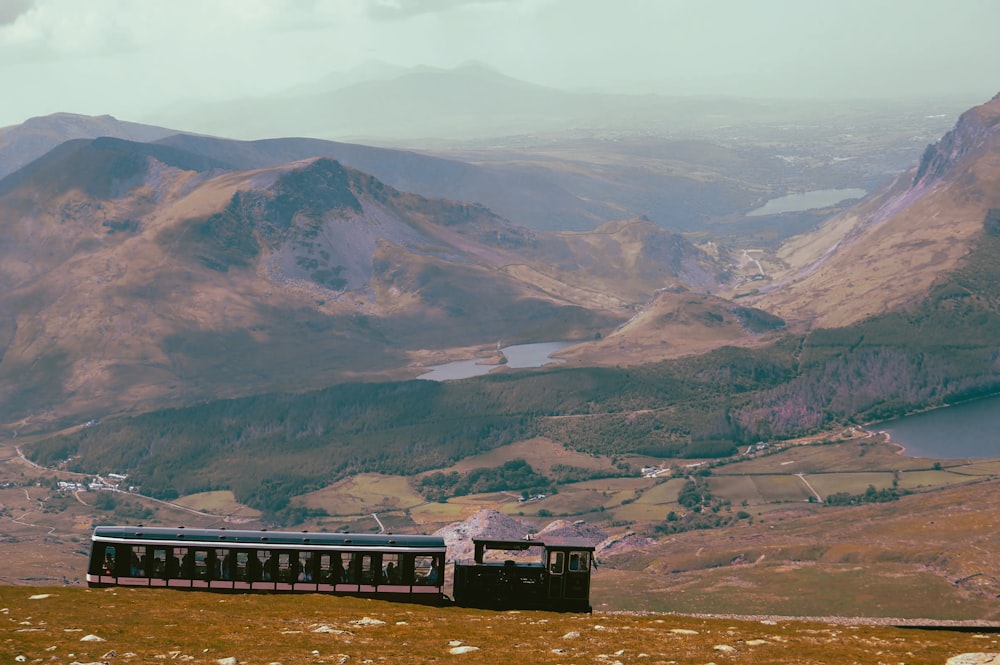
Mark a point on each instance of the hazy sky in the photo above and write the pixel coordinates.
(130, 57)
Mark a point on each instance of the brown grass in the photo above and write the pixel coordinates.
(151, 625)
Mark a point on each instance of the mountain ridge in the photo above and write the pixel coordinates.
(166, 276)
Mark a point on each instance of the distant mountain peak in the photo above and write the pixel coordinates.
(22, 144)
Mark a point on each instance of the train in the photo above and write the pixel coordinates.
(553, 574)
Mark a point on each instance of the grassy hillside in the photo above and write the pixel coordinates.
(82, 625)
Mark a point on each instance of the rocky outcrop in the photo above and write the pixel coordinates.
(560, 529)
(970, 133)
(484, 524)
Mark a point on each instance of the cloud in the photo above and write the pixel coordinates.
(11, 10)
(397, 10)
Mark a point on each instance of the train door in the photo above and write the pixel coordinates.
(557, 569)
(577, 584)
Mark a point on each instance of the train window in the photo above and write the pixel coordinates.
(284, 566)
(157, 558)
(138, 565)
(228, 568)
(187, 562)
(202, 565)
(270, 573)
(312, 570)
(578, 561)
(556, 562)
(295, 567)
(331, 568)
(254, 568)
(390, 569)
(215, 560)
(109, 565)
(174, 563)
(426, 570)
(361, 567)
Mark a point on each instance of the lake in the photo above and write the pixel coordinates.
(519, 356)
(967, 430)
(819, 198)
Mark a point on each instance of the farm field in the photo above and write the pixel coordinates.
(220, 502)
(364, 493)
(851, 483)
(863, 454)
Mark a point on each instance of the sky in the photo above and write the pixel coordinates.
(130, 58)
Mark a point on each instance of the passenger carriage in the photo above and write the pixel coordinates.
(407, 568)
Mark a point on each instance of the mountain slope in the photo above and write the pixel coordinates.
(887, 251)
(142, 274)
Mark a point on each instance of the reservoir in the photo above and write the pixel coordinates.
(819, 198)
(967, 430)
(519, 356)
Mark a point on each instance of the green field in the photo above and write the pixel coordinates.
(852, 483)
(221, 502)
(364, 493)
(662, 493)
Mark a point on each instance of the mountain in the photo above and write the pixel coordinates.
(540, 193)
(526, 197)
(137, 274)
(24, 143)
(580, 179)
(888, 251)
(470, 100)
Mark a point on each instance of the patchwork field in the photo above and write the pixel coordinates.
(862, 559)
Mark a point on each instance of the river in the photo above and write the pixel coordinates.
(967, 430)
(818, 198)
(519, 356)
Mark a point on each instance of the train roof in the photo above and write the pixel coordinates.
(180, 535)
(548, 543)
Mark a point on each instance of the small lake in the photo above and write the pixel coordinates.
(519, 356)
(967, 430)
(820, 198)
